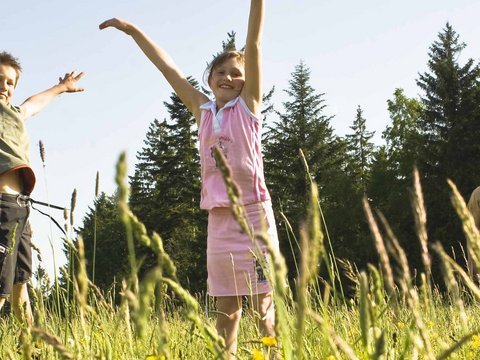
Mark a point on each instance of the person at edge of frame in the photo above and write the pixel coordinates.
(17, 181)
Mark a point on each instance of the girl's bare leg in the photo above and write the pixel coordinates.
(263, 306)
(228, 320)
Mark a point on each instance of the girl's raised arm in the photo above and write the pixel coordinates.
(252, 90)
(191, 97)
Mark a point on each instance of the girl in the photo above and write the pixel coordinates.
(231, 122)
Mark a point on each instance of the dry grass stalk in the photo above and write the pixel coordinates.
(330, 260)
(420, 217)
(311, 238)
(127, 296)
(382, 251)
(81, 285)
(10, 356)
(275, 269)
(469, 228)
(54, 341)
(143, 305)
(65, 217)
(465, 277)
(448, 274)
(302, 291)
(457, 345)
(139, 300)
(99, 296)
(426, 346)
(290, 233)
(151, 281)
(365, 304)
(276, 272)
(412, 298)
(315, 235)
(397, 252)
(215, 343)
(42, 151)
(124, 212)
(336, 342)
(73, 203)
(234, 193)
(350, 270)
(378, 291)
(97, 184)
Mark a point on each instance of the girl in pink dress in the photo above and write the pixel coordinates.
(231, 122)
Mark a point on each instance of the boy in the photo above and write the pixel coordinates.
(17, 181)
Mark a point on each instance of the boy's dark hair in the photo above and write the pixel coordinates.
(220, 59)
(8, 59)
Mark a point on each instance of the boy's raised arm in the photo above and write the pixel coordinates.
(252, 90)
(68, 84)
(191, 97)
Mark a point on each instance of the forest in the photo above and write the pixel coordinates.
(436, 133)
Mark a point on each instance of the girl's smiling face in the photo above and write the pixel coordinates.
(227, 80)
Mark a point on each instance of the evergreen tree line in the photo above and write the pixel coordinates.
(437, 132)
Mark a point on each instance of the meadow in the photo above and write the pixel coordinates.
(393, 314)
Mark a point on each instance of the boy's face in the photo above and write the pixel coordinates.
(8, 80)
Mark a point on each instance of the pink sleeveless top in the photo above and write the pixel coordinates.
(237, 132)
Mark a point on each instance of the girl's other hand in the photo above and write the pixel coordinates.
(118, 24)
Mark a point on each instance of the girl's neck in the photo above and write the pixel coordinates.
(221, 104)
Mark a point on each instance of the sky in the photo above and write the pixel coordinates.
(358, 52)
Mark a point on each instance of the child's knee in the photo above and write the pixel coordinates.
(230, 306)
(263, 305)
(20, 293)
(229, 309)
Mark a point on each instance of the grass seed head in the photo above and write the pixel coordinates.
(42, 151)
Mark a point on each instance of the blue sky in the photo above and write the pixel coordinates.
(358, 53)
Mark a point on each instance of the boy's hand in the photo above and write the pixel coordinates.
(66, 84)
(118, 24)
(69, 82)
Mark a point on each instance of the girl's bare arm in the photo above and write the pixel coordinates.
(252, 90)
(191, 97)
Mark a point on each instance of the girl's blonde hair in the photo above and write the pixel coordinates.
(219, 60)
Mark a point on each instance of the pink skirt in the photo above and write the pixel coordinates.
(232, 259)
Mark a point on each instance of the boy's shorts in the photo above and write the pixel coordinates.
(15, 242)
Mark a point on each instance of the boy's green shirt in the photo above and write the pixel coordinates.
(14, 141)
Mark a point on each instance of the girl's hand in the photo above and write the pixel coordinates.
(118, 24)
(69, 82)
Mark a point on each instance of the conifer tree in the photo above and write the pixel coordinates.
(391, 175)
(111, 246)
(382, 173)
(304, 125)
(394, 162)
(165, 193)
(150, 160)
(402, 137)
(392, 168)
(449, 131)
(360, 149)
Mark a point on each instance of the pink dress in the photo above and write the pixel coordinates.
(232, 260)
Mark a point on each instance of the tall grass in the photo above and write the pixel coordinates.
(390, 317)
(41, 148)
(94, 260)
